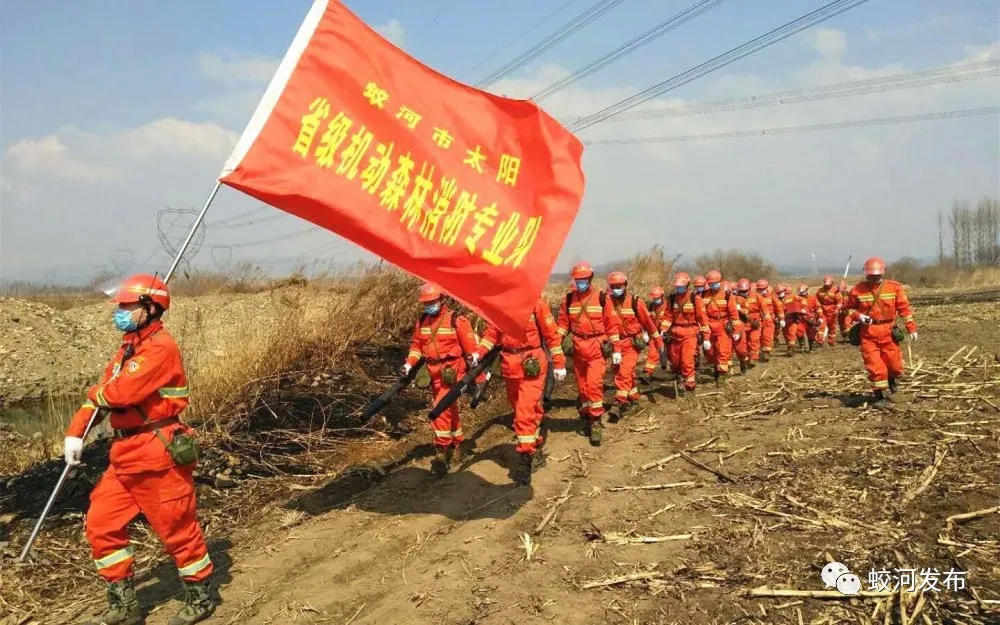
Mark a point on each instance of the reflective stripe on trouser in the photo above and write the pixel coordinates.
(722, 347)
(881, 355)
(681, 352)
(767, 328)
(167, 499)
(525, 397)
(652, 358)
(625, 374)
(448, 425)
(590, 378)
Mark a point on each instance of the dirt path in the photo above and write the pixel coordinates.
(414, 550)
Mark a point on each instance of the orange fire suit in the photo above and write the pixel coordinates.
(846, 318)
(144, 384)
(525, 393)
(443, 341)
(880, 352)
(683, 319)
(749, 336)
(772, 313)
(633, 319)
(591, 324)
(654, 349)
(796, 324)
(723, 322)
(815, 321)
(830, 301)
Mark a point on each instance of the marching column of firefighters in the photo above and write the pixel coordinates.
(153, 455)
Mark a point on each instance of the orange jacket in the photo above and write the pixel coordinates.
(587, 319)
(721, 308)
(882, 304)
(541, 325)
(771, 307)
(830, 300)
(634, 318)
(144, 381)
(684, 311)
(442, 340)
(754, 305)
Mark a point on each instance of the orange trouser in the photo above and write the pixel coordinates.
(525, 397)
(794, 330)
(448, 425)
(681, 352)
(881, 355)
(167, 499)
(830, 316)
(767, 329)
(751, 341)
(722, 345)
(742, 346)
(625, 384)
(652, 357)
(589, 367)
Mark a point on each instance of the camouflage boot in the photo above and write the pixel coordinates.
(596, 432)
(440, 462)
(198, 604)
(522, 472)
(123, 606)
(880, 400)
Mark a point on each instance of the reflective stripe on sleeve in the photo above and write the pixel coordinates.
(174, 391)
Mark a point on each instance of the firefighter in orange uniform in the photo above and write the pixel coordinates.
(588, 316)
(445, 340)
(878, 302)
(816, 329)
(723, 322)
(845, 318)
(772, 313)
(684, 318)
(636, 330)
(524, 367)
(830, 300)
(796, 312)
(656, 309)
(747, 346)
(153, 456)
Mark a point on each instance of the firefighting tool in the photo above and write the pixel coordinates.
(383, 400)
(467, 381)
(113, 292)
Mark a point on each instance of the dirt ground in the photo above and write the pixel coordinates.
(817, 475)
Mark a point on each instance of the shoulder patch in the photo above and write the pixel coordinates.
(134, 366)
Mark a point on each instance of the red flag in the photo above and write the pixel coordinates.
(463, 188)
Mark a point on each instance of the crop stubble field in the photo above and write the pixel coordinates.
(314, 518)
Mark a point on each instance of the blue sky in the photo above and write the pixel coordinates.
(83, 82)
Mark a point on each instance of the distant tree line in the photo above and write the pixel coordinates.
(975, 234)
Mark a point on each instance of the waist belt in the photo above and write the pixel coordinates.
(879, 323)
(586, 336)
(683, 325)
(518, 350)
(146, 427)
(437, 361)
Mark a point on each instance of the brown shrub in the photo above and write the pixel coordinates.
(735, 264)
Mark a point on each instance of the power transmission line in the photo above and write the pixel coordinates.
(274, 239)
(926, 78)
(879, 121)
(750, 47)
(595, 11)
(525, 33)
(629, 46)
(260, 209)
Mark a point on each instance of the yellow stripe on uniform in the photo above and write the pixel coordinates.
(113, 558)
(531, 438)
(486, 344)
(174, 391)
(555, 350)
(100, 398)
(195, 567)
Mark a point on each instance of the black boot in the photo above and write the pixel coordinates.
(765, 356)
(440, 463)
(892, 385)
(881, 400)
(522, 472)
(743, 365)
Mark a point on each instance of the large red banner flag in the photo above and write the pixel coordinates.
(460, 187)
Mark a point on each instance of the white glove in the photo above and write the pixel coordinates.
(559, 374)
(865, 319)
(474, 360)
(826, 333)
(707, 346)
(489, 374)
(73, 450)
(406, 368)
(736, 336)
(645, 336)
(913, 336)
(616, 358)
(781, 322)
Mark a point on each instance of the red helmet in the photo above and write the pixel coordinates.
(699, 282)
(874, 267)
(682, 279)
(743, 285)
(142, 287)
(617, 278)
(656, 292)
(725, 286)
(713, 276)
(782, 288)
(828, 281)
(843, 286)
(803, 289)
(429, 293)
(582, 271)
(762, 284)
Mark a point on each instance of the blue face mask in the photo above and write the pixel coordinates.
(714, 285)
(582, 285)
(432, 308)
(124, 321)
(699, 290)
(681, 290)
(658, 301)
(618, 291)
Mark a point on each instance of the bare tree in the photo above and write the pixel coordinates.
(940, 238)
